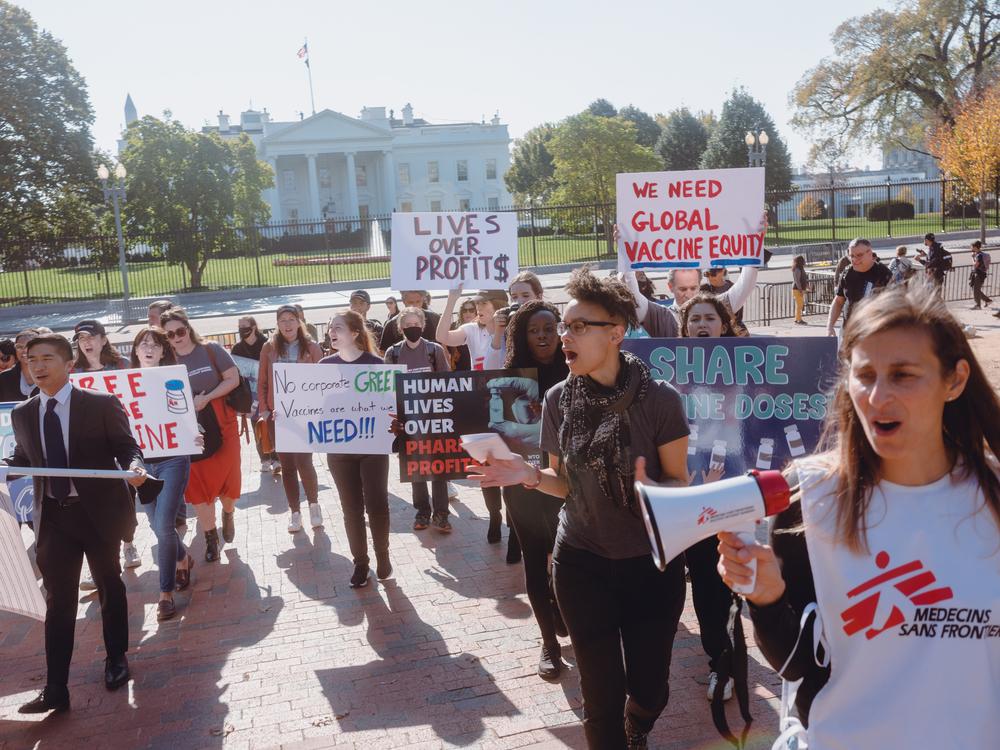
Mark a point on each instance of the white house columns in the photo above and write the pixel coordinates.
(352, 185)
(389, 171)
(314, 210)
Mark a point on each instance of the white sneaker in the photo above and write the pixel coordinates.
(265, 465)
(713, 680)
(131, 555)
(315, 515)
(87, 583)
(452, 491)
(295, 523)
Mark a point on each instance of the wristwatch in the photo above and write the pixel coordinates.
(538, 480)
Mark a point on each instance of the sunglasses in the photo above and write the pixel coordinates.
(178, 333)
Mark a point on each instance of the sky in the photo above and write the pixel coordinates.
(531, 61)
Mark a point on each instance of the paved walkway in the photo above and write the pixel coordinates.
(272, 648)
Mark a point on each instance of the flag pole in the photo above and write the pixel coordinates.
(312, 99)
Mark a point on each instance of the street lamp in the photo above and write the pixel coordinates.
(756, 147)
(116, 194)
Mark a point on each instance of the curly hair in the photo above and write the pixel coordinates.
(518, 351)
(609, 293)
(707, 298)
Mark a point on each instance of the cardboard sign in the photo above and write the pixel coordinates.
(159, 405)
(22, 491)
(249, 369)
(434, 250)
(692, 219)
(751, 403)
(436, 408)
(19, 592)
(334, 408)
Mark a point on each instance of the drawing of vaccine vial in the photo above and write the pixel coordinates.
(176, 400)
(693, 440)
(794, 440)
(765, 454)
(496, 406)
(718, 460)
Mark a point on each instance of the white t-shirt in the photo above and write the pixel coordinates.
(913, 625)
(481, 351)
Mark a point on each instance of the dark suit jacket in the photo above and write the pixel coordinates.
(99, 435)
(10, 384)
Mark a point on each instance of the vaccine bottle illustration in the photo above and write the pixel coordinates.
(794, 440)
(693, 440)
(496, 406)
(765, 454)
(718, 460)
(176, 400)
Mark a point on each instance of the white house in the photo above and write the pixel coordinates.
(330, 165)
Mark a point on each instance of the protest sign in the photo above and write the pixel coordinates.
(22, 491)
(327, 408)
(435, 408)
(691, 219)
(452, 249)
(19, 592)
(249, 368)
(751, 403)
(159, 405)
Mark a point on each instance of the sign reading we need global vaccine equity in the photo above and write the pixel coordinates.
(435, 250)
(334, 408)
(751, 403)
(693, 219)
(159, 405)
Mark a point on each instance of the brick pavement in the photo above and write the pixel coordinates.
(272, 648)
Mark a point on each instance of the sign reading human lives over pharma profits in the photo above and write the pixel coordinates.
(321, 408)
(159, 405)
(693, 219)
(434, 250)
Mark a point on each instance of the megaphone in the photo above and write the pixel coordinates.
(678, 517)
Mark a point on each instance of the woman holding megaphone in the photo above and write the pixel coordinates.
(881, 590)
(608, 424)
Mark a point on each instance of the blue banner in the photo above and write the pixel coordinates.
(753, 402)
(21, 490)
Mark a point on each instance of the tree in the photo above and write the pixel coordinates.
(45, 118)
(970, 148)
(646, 128)
(727, 148)
(601, 108)
(588, 152)
(683, 140)
(906, 196)
(811, 207)
(191, 188)
(530, 176)
(894, 71)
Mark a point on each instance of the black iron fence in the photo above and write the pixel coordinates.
(357, 249)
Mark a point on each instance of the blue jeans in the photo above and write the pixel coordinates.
(162, 513)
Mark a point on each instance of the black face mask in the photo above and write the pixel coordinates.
(413, 333)
(245, 332)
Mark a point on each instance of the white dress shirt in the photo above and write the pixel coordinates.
(62, 399)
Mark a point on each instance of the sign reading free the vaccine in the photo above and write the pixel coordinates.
(751, 403)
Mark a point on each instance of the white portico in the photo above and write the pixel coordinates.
(334, 166)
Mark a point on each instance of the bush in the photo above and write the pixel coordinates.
(957, 209)
(811, 207)
(885, 210)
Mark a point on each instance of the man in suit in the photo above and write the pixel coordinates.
(16, 383)
(64, 427)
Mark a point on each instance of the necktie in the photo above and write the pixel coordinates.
(55, 451)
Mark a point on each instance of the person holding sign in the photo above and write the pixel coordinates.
(608, 425)
(150, 348)
(362, 479)
(890, 561)
(76, 517)
(213, 375)
(290, 343)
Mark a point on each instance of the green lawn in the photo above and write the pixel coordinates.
(823, 230)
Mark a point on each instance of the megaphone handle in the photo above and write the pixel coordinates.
(747, 537)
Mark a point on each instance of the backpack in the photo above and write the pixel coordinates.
(985, 259)
(947, 262)
(240, 398)
(392, 354)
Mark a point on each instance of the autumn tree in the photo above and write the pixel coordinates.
(969, 148)
(810, 207)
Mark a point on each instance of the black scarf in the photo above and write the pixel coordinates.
(595, 435)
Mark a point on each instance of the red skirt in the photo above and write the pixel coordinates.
(219, 474)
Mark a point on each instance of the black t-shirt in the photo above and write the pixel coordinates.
(364, 359)
(855, 285)
(251, 351)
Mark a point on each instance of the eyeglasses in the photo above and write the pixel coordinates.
(579, 327)
(177, 333)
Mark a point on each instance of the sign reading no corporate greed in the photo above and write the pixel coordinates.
(334, 408)
(447, 250)
(159, 405)
(693, 219)
(750, 402)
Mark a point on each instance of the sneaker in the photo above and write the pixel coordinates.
(131, 555)
(360, 577)
(421, 522)
(228, 526)
(713, 680)
(452, 491)
(315, 515)
(275, 468)
(440, 523)
(550, 663)
(265, 465)
(295, 522)
(87, 583)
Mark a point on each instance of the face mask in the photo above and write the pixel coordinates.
(244, 332)
(413, 333)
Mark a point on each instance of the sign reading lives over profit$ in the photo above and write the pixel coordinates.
(435, 250)
(692, 219)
